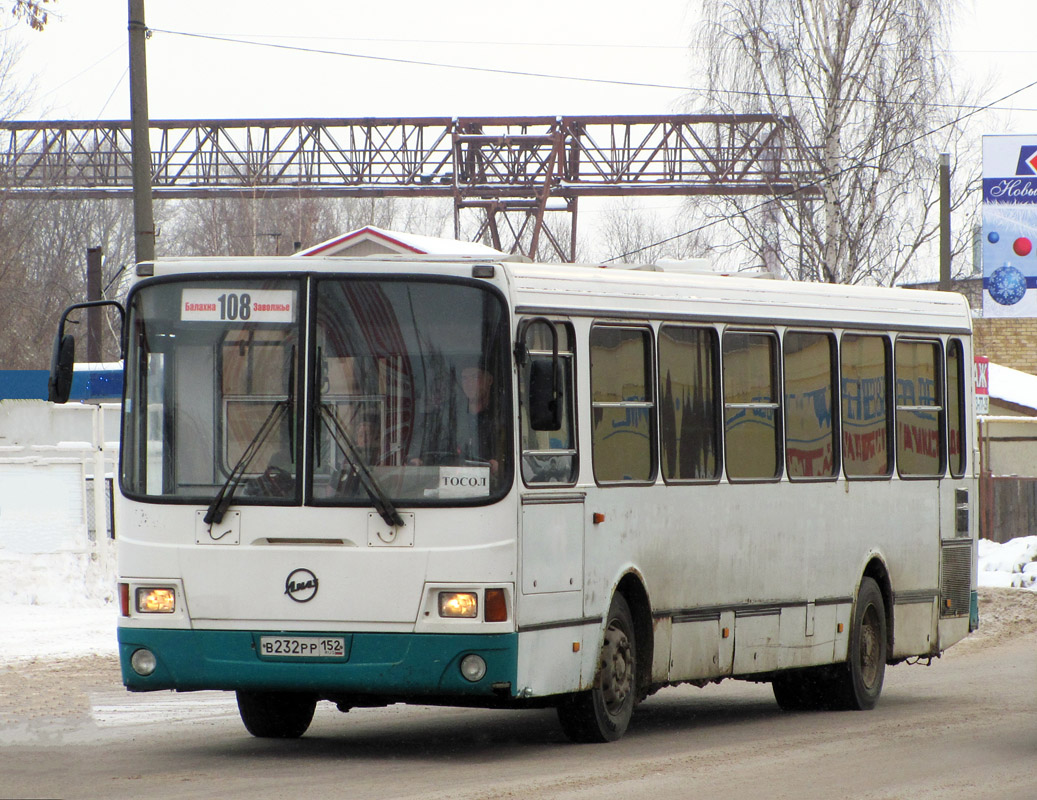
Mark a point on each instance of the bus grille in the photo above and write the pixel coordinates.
(956, 583)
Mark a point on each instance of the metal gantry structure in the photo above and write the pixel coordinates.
(514, 172)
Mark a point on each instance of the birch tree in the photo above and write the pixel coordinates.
(866, 88)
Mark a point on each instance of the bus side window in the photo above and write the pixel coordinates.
(864, 371)
(548, 456)
(689, 400)
(921, 450)
(811, 447)
(752, 412)
(622, 404)
(957, 441)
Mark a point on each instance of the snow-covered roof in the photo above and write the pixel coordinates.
(397, 242)
(1012, 386)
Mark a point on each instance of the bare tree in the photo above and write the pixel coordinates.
(866, 88)
(632, 234)
(273, 226)
(43, 269)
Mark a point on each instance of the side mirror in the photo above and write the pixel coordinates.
(59, 385)
(545, 407)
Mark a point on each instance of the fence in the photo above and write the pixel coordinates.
(56, 522)
(1008, 477)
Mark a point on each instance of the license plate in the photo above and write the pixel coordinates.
(302, 646)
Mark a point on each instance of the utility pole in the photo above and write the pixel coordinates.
(95, 320)
(140, 141)
(945, 222)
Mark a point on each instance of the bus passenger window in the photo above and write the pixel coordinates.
(956, 441)
(920, 422)
(622, 405)
(864, 369)
(751, 408)
(809, 405)
(688, 402)
(549, 456)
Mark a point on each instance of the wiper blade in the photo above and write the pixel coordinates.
(383, 505)
(222, 500)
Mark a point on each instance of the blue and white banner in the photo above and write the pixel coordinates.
(1009, 226)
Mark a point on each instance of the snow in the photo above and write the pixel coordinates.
(1012, 386)
(1011, 564)
(35, 625)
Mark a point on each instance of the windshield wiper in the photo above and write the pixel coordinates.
(223, 498)
(383, 505)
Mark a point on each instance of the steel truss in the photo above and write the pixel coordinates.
(511, 170)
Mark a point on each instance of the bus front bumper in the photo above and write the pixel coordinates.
(390, 665)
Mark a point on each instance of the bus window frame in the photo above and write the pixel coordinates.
(837, 417)
(891, 440)
(777, 379)
(649, 350)
(718, 402)
(938, 346)
(570, 411)
(963, 416)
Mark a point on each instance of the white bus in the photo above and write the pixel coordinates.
(382, 480)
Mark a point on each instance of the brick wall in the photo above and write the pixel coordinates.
(1009, 342)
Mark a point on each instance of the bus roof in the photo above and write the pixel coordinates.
(636, 293)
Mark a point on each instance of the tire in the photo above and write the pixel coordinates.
(858, 684)
(276, 715)
(603, 713)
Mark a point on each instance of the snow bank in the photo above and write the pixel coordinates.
(1009, 565)
(68, 580)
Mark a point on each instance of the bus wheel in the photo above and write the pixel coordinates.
(858, 685)
(276, 715)
(603, 713)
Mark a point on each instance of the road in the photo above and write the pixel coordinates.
(962, 727)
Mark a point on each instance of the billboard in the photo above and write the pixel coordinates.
(1010, 226)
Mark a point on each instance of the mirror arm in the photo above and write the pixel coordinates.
(97, 304)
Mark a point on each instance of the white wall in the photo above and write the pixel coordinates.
(55, 535)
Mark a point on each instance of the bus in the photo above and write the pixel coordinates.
(455, 481)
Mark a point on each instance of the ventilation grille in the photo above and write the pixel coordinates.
(956, 583)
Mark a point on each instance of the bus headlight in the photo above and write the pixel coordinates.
(156, 600)
(459, 604)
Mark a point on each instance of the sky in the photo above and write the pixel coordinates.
(78, 65)
(638, 57)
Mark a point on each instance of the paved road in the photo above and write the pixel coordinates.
(964, 727)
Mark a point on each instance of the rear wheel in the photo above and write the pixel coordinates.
(858, 684)
(603, 713)
(853, 686)
(276, 715)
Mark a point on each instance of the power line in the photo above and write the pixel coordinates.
(528, 74)
(817, 184)
(421, 63)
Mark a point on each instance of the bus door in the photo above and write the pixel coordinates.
(553, 514)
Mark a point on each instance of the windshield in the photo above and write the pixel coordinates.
(210, 374)
(409, 396)
(415, 374)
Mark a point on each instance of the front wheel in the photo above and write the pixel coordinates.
(276, 715)
(603, 713)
